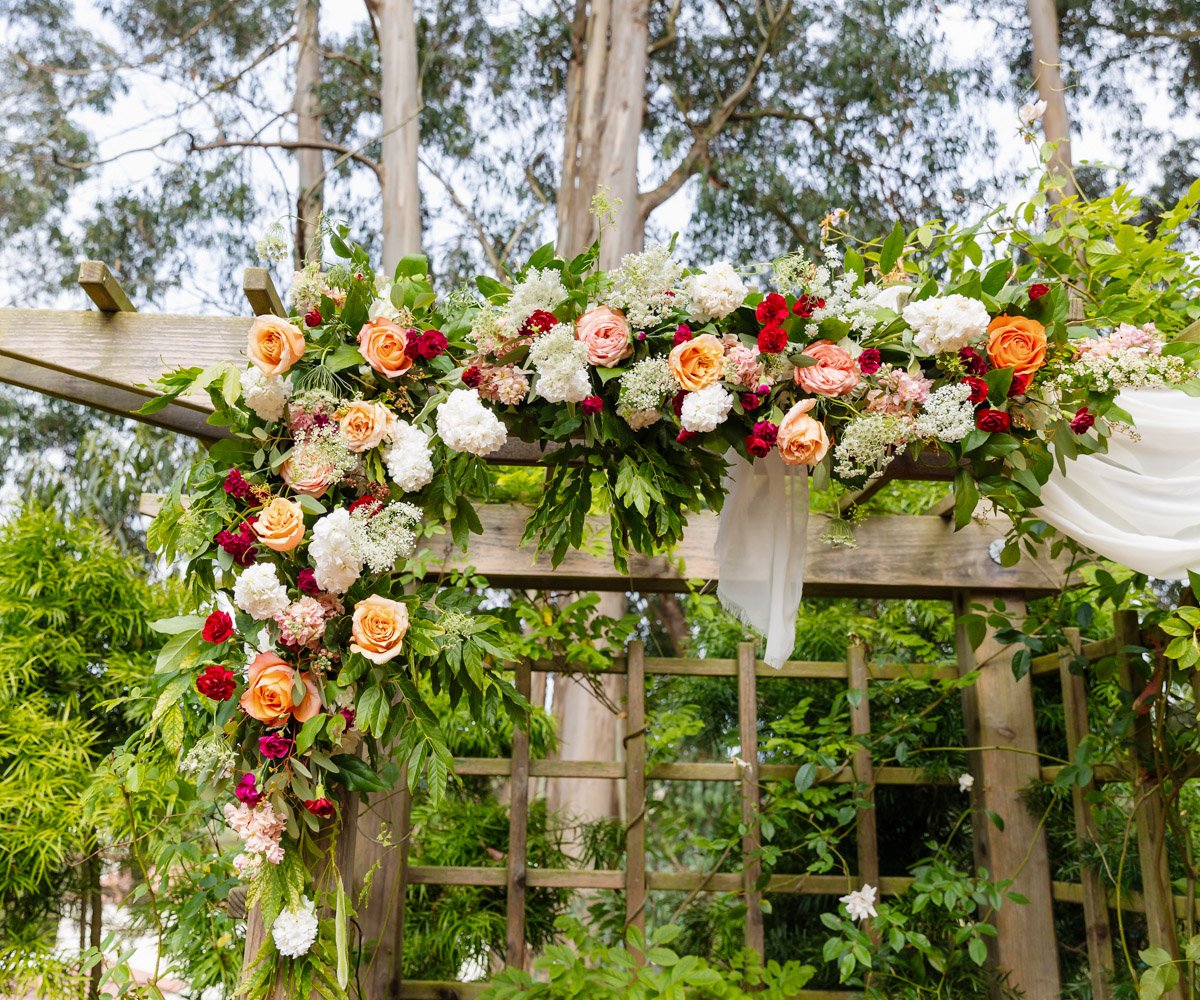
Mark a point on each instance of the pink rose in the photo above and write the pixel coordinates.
(834, 374)
(605, 334)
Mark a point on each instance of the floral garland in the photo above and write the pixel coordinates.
(361, 422)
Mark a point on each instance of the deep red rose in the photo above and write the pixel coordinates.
(349, 715)
(412, 343)
(757, 447)
(472, 376)
(870, 360)
(1037, 291)
(683, 333)
(322, 808)
(806, 305)
(246, 792)
(239, 544)
(373, 505)
(772, 310)
(216, 682)
(751, 401)
(772, 339)
(1083, 421)
(236, 485)
(766, 430)
(592, 405)
(979, 389)
(973, 362)
(306, 580)
(1020, 382)
(217, 628)
(683, 437)
(992, 421)
(539, 322)
(275, 747)
(677, 402)
(431, 343)
(313, 317)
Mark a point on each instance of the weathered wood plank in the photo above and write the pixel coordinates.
(866, 833)
(1090, 651)
(635, 789)
(260, 292)
(752, 838)
(518, 834)
(103, 288)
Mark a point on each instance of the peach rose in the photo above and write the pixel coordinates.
(605, 334)
(697, 363)
(383, 344)
(280, 525)
(313, 478)
(364, 425)
(274, 344)
(268, 694)
(834, 374)
(378, 628)
(802, 440)
(1017, 343)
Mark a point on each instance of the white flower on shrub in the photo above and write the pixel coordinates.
(946, 322)
(408, 458)
(966, 782)
(465, 424)
(860, 904)
(259, 593)
(704, 409)
(266, 395)
(716, 292)
(1031, 112)
(295, 930)
(336, 563)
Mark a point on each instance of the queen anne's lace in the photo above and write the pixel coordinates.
(948, 413)
(869, 443)
(538, 290)
(643, 287)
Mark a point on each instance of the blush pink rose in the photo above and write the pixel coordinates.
(605, 334)
(834, 374)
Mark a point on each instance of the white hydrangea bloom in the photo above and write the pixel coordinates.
(860, 904)
(336, 562)
(408, 457)
(266, 395)
(561, 365)
(259, 593)
(948, 413)
(465, 424)
(705, 409)
(295, 930)
(540, 289)
(946, 323)
(638, 419)
(716, 292)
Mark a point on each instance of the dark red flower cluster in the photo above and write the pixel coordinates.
(349, 715)
(236, 485)
(992, 421)
(373, 505)
(677, 402)
(275, 747)
(979, 389)
(1020, 382)
(218, 627)
(539, 322)
(1083, 421)
(592, 405)
(806, 305)
(431, 344)
(322, 808)
(772, 310)
(1037, 291)
(751, 401)
(772, 340)
(240, 543)
(683, 333)
(762, 438)
(216, 682)
(766, 430)
(683, 437)
(246, 792)
(870, 361)
(973, 362)
(313, 317)
(757, 447)
(307, 581)
(472, 377)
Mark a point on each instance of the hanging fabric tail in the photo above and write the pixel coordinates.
(762, 548)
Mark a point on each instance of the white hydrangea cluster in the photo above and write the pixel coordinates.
(295, 930)
(638, 419)
(266, 395)
(644, 387)
(335, 561)
(869, 443)
(561, 365)
(705, 409)
(946, 322)
(948, 413)
(259, 593)
(381, 536)
(716, 292)
(539, 289)
(644, 287)
(465, 424)
(408, 458)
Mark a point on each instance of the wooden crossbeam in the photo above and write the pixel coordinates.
(103, 288)
(260, 292)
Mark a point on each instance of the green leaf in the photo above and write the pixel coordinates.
(309, 732)
(178, 624)
(806, 774)
(966, 498)
(340, 921)
(309, 504)
(893, 246)
(356, 774)
(412, 266)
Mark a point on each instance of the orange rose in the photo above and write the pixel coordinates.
(384, 345)
(605, 334)
(280, 525)
(834, 374)
(268, 694)
(364, 425)
(378, 628)
(802, 440)
(697, 363)
(1017, 343)
(274, 345)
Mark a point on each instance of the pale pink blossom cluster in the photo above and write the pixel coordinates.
(302, 623)
(743, 365)
(259, 828)
(502, 383)
(898, 391)
(1125, 339)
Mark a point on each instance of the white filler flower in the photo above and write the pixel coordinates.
(266, 395)
(295, 930)
(259, 593)
(705, 409)
(860, 904)
(715, 292)
(946, 323)
(465, 424)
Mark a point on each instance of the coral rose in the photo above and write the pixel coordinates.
(605, 334)
(280, 525)
(834, 374)
(364, 425)
(378, 628)
(1017, 343)
(274, 344)
(384, 346)
(268, 694)
(313, 479)
(802, 440)
(697, 363)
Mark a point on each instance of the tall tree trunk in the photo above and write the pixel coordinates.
(1047, 76)
(311, 200)
(400, 104)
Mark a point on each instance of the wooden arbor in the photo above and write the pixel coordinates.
(103, 357)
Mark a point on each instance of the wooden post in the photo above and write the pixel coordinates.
(864, 770)
(1095, 898)
(518, 833)
(998, 713)
(635, 788)
(1150, 808)
(260, 292)
(752, 839)
(382, 919)
(103, 288)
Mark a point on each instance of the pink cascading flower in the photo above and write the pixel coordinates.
(898, 391)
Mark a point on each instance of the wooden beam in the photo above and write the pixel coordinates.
(103, 288)
(635, 788)
(260, 292)
(518, 834)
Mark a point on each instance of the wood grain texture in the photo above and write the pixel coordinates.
(260, 292)
(752, 838)
(518, 834)
(103, 288)
(635, 789)
(866, 822)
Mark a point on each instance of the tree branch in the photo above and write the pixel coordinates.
(481, 233)
(332, 147)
